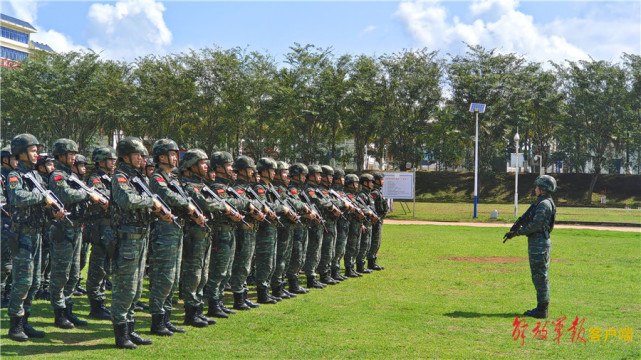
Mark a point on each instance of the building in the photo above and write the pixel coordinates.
(15, 41)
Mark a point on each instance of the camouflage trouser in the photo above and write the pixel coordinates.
(539, 253)
(299, 247)
(328, 248)
(366, 240)
(193, 275)
(99, 261)
(84, 250)
(65, 263)
(222, 257)
(26, 271)
(45, 263)
(342, 230)
(312, 257)
(283, 254)
(128, 272)
(245, 246)
(377, 232)
(265, 255)
(353, 244)
(5, 255)
(166, 254)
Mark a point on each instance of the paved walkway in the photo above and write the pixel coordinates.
(506, 225)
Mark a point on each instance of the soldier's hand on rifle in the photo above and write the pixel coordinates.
(509, 235)
(349, 206)
(363, 228)
(255, 213)
(335, 211)
(158, 210)
(199, 219)
(49, 201)
(58, 214)
(94, 197)
(191, 209)
(270, 213)
(360, 214)
(290, 214)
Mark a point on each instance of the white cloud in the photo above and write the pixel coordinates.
(496, 24)
(26, 10)
(128, 29)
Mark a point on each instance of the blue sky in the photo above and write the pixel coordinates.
(540, 30)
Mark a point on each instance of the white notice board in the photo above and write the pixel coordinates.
(399, 185)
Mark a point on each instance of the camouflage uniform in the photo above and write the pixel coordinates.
(299, 239)
(342, 231)
(5, 252)
(245, 244)
(381, 207)
(365, 197)
(355, 232)
(328, 248)
(45, 267)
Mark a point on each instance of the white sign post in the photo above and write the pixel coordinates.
(400, 185)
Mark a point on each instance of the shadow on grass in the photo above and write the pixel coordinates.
(469, 314)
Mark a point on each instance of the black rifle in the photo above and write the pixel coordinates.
(338, 196)
(520, 222)
(106, 178)
(102, 197)
(163, 206)
(233, 192)
(262, 202)
(372, 212)
(285, 202)
(313, 207)
(234, 211)
(48, 193)
(174, 185)
(3, 210)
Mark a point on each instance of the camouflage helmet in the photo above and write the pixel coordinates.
(149, 162)
(378, 176)
(350, 179)
(243, 162)
(191, 158)
(80, 159)
(327, 170)
(103, 153)
(366, 177)
(266, 163)
(63, 146)
(163, 147)
(220, 158)
(282, 166)
(338, 173)
(129, 145)
(298, 169)
(20, 143)
(43, 158)
(546, 182)
(6, 151)
(314, 169)
(144, 152)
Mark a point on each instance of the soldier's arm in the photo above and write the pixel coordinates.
(19, 195)
(126, 197)
(539, 221)
(158, 185)
(217, 208)
(69, 196)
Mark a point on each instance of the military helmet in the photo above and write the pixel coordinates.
(144, 151)
(350, 179)
(314, 169)
(243, 162)
(63, 146)
(327, 170)
(149, 162)
(282, 166)
(129, 145)
(6, 151)
(298, 169)
(220, 158)
(103, 153)
(546, 182)
(266, 163)
(366, 177)
(80, 159)
(43, 158)
(20, 143)
(378, 176)
(338, 173)
(191, 158)
(163, 147)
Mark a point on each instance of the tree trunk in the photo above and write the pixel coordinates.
(595, 176)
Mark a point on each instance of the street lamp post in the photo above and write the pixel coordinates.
(476, 109)
(539, 158)
(516, 182)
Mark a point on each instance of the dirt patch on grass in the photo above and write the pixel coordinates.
(492, 259)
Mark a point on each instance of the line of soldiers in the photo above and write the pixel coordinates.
(204, 225)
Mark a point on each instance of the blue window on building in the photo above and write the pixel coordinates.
(12, 54)
(15, 35)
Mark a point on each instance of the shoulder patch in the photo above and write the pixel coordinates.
(341, 194)
(13, 178)
(122, 179)
(294, 191)
(57, 177)
(324, 192)
(220, 191)
(279, 191)
(96, 181)
(311, 192)
(374, 196)
(160, 179)
(350, 196)
(261, 191)
(196, 189)
(240, 191)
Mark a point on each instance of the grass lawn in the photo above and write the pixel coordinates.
(465, 211)
(446, 292)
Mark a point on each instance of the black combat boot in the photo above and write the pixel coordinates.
(263, 296)
(540, 312)
(121, 331)
(295, 288)
(360, 268)
(371, 264)
(199, 313)
(327, 279)
(192, 318)
(135, 338)
(248, 302)
(215, 310)
(284, 290)
(336, 275)
(171, 326)
(16, 331)
(74, 320)
(312, 283)
(279, 293)
(28, 330)
(60, 319)
(239, 302)
(158, 326)
(225, 308)
(98, 310)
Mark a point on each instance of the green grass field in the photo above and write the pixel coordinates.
(465, 212)
(446, 292)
